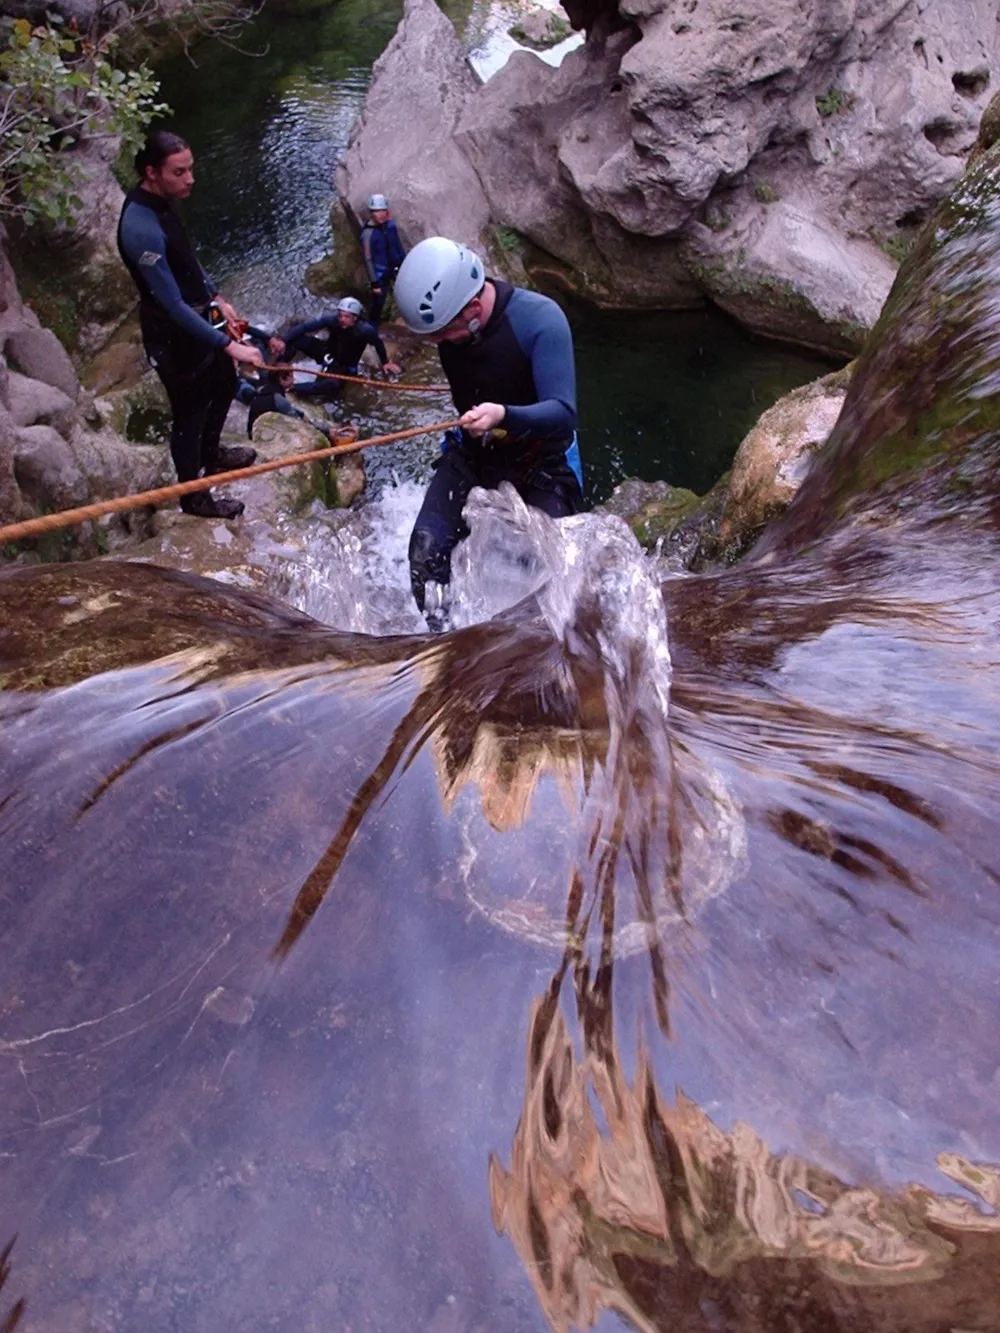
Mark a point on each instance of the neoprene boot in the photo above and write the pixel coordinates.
(203, 504)
(228, 457)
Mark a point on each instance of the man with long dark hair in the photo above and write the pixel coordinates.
(194, 358)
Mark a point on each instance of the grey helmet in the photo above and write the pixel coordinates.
(377, 202)
(436, 281)
(351, 306)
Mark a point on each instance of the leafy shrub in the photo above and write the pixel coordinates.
(57, 88)
(834, 103)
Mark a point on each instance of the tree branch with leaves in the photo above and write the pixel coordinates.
(57, 88)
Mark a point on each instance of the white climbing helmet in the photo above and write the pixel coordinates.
(437, 280)
(376, 202)
(351, 306)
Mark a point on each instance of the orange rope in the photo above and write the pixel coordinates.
(362, 379)
(66, 518)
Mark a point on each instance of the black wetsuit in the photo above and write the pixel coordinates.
(270, 399)
(182, 347)
(340, 352)
(522, 358)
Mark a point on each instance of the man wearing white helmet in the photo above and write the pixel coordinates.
(347, 336)
(508, 357)
(383, 251)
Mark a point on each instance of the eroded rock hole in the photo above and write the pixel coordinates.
(943, 134)
(971, 83)
(913, 217)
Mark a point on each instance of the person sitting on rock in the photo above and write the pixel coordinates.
(347, 336)
(383, 251)
(177, 301)
(269, 396)
(508, 357)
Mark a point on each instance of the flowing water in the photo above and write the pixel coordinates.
(628, 956)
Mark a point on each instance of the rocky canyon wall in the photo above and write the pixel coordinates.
(776, 159)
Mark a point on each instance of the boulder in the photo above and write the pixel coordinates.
(46, 469)
(652, 509)
(772, 462)
(540, 28)
(33, 402)
(38, 354)
(787, 272)
(402, 142)
(114, 467)
(537, 136)
(10, 494)
(72, 275)
(10, 297)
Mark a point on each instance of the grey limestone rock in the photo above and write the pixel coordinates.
(402, 144)
(10, 494)
(33, 402)
(47, 470)
(775, 158)
(38, 354)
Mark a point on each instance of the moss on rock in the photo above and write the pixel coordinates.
(341, 272)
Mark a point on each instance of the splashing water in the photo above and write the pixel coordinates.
(589, 567)
(354, 574)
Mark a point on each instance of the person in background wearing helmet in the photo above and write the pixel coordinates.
(383, 252)
(508, 357)
(347, 336)
(194, 359)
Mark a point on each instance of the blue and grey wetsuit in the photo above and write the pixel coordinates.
(182, 346)
(522, 358)
(384, 252)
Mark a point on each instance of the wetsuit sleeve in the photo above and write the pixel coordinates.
(308, 326)
(144, 243)
(372, 339)
(282, 405)
(379, 266)
(397, 251)
(544, 335)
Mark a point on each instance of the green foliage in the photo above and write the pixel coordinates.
(766, 193)
(56, 88)
(550, 32)
(834, 103)
(899, 245)
(508, 239)
(717, 216)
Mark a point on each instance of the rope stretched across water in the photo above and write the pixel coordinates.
(68, 518)
(359, 379)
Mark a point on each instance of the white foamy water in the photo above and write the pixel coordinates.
(588, 568)
(355, 573)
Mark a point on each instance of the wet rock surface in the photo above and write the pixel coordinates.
(631, 954)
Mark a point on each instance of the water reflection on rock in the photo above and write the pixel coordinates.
(778, 898)
(282, 906)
